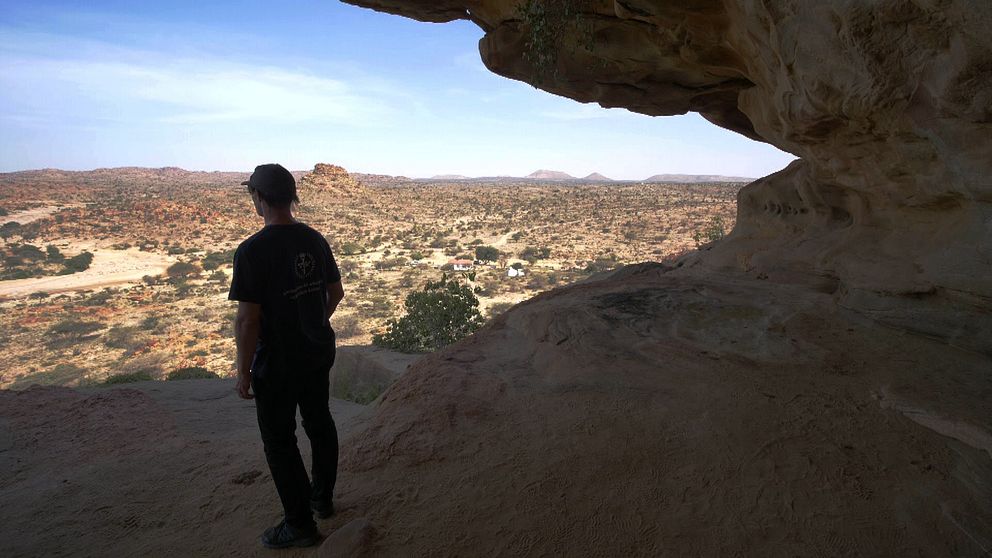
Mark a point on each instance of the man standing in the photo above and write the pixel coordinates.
(288, 286)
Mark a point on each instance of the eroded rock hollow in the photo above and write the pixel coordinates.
(817, 383)
(887, 104)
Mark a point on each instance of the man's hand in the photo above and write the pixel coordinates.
(244, 384)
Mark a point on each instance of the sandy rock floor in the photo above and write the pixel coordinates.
(648, 415)
(151, 469)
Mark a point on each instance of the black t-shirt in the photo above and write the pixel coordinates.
(286, 269)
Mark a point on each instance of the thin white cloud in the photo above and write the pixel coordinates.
(181, 90)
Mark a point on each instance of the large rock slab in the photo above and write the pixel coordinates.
(815, 384)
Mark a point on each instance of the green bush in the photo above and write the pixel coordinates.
(531, 254)
(54, 254)
(214, 260)
(27, 252)
(127, 378)
(191, 373)
(74, 327)
(486, 253)
(182, 270)
(601, 264)
(714, 231)
(444, 312)
(121, 337)
(9, 229)
(351, 248)
(391, 263)
(77, 263)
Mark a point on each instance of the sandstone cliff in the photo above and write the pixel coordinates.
(888, 104)
(330, 179)
(815, 384)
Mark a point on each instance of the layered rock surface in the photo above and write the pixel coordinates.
(888, 104)
(329, 179)
(818, 383)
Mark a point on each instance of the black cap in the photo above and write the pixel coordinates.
(273, 181)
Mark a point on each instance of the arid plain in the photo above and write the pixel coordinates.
(152, 298)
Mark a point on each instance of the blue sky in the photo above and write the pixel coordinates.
(228, 85)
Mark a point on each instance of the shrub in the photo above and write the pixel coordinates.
(27, 252)
(213, 260)
(486, 253)
(182, 270)
(54, 254)
(444, 312)
(74, 327)
(714, 231)
(99, 299)
(191, 373)
(127, 378)
(351, 248)
(9, 229)
(77, 263)
(121, 337)
(601, 264)
(347, 326)
(391, 263)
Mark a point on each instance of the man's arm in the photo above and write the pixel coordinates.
(246, 328)
(335, 293)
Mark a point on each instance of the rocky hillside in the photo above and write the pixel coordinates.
(328, 179)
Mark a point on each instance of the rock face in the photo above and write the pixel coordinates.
(887, 103)
(815, 384)
(328, 179)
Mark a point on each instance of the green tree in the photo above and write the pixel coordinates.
(182, 270)
(351, 248)
(79, 262)
(442, 313)
(486, 253)
(54, 254)
(531, 254)
(9, 229)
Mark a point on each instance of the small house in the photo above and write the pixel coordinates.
(461, 265)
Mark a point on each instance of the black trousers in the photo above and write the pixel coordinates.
(277, 394)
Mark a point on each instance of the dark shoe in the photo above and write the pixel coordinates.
(322, 510)
(285, 535)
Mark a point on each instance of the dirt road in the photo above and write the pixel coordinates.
(109, 268)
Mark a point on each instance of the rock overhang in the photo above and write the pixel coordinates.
(888, 106)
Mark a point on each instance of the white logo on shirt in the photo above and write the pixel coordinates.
(304, 265)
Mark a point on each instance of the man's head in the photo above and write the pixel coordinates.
(273, 184)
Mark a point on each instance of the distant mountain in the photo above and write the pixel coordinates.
(550, 175)
(691, 178)
(597, 178)
(449, 177)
